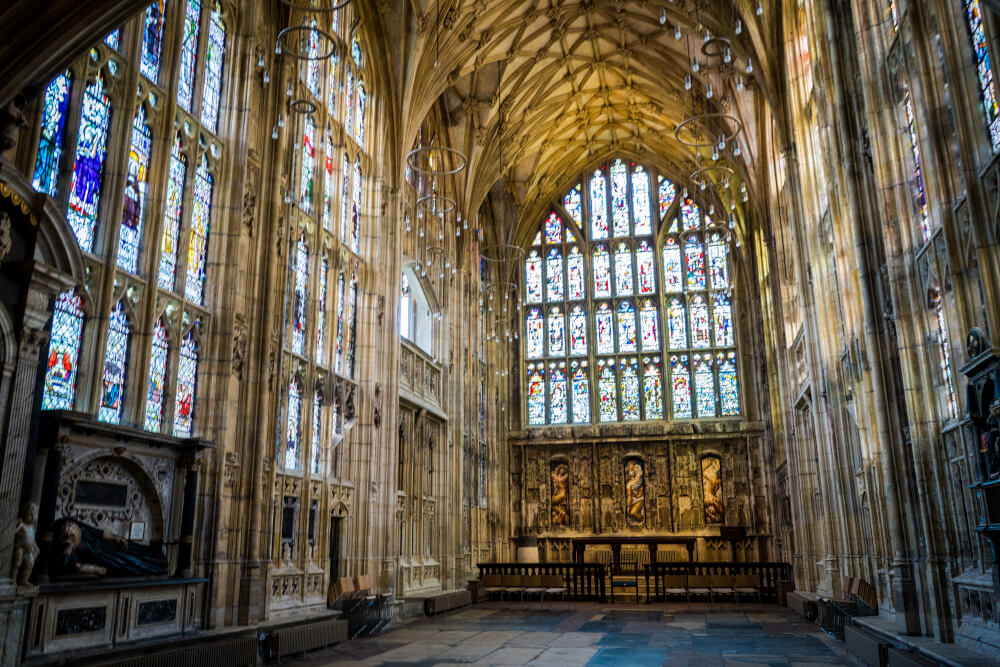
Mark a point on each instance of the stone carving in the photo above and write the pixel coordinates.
(25, 550)
(349, 404)
(5, 240)
(12, 121)
(635, 492)
(711, 479)
(560, 494)
(377, 409)
(83, 550)
(975, 343)
(239, 346)
(250, 197)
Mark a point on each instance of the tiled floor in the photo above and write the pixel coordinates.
(592, 634)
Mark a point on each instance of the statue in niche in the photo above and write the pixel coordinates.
(85, 551)
(635, 492)
(560, 494)
(25, 549)
(711, 479)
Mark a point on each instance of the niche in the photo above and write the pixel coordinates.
(635, 491)
(711, 480)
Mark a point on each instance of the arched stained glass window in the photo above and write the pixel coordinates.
(984, 69)
(313, 60)
(331, 86)
(321, 313)
(328, 182)
(689, 370)
(172, 216)
(404, 308)
(356, 208)
(134, 213)
(308, 164)
(349, 102)
(201, 213)
(152, 40)
(115, 366)
(352, 306)
(317, 431)
(299, 296)
(189, 54)
(536, 394)
(50, 143)
(362, 101)
(339, 342)
(211, 99)
(345, 201)
(156, 391)
(293, 425)
(88, 166)
(187, 378)
(64, 351)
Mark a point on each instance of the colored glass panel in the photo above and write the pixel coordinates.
(607, 391)
(918, 176)
(645, 266)
(553, 229)
(626, 327)
(648, 326)
(328, 183)
(652, 390)
(944, 360)
(293, 426)
(554, 278)
(641, 202)
(189, 54)
(722, 314)
(339, 342)
(984, 69)
(699, 323)
(134, 211)
(64, 351)
(301, 278)
(575, 273)
(312, 62)
(156, 391)
(172, 216)
(152, 40)
(317, 414)
(404, 309)
(624, 284)
(677, 325)
(345, 201)
(573, 203)
(211, 98)
(187, 374)
(690, 215)
(602, 272)
(115, 365)
(360, 121)
(53, 132)
(113, 39)
(557, 332)
(667, 194)
(704, 383)
(308, 164)
(578, 332)
(201, 214)
(694, 261)
(672, 267)
(630, 391)
(534, 338)
(349, 103)
(581, 394)
(88, 166)
(533, 278)
(557, 394)
(538, 238)
(718, 263)
(598, 206)
(619, 198)
(536, 395)
(570, 236)
(605, 330)
(356, 209)
(680, 382)
(729, 395)
(352, 324)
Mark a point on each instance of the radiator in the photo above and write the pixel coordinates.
(236, 652)
(446, 601)
(308, 637)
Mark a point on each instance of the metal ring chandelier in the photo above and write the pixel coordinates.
(421, 160)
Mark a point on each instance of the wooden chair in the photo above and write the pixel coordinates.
(533, 585)
(675, 584)
(699, 584)
(723, 584)
(512, 584)
(746, 584)
(492, 583)
(554, 585)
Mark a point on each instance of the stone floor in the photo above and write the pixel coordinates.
(593, 634)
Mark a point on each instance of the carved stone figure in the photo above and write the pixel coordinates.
(25, 550)
(711, 478)
(5, 240)
(83, 550)
(560, 494)
(377, 408)
(635, 492)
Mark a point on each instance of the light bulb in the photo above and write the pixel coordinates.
(277, 48)
(663, 15)
(732, 205)
(702, 185)
(739, 83)
(267, 77)
(281, 120)
(274, 132)
(749, 67)
(722, 142)
(708, 90)
(677, 33)
(260, 59)
(711, 209)
(715, 154)
(288, 90)
(739, 27)
(687, 81)
(694, 65)
(736, 149)
(421, 232)
(760, 8)
(708, 36)
(727, 55)
(458, 231)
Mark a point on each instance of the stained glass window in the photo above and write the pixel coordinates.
(602, 272)
(677, 324)
(694, 261)
(984, 69)
(201, 212)
(581, 393)
(313, 60)
(722, 314)
(554, 276)
(328, 182)
(704, 383)
(918, 177)
(404, 309)
(607, 390)
(352, 327)
(134, 213)
(533, 278)
(598, 206)
(362, 101)
(88, 166)
(652, 389)
(115, 365)
(557, 332)
(113, 39)
(578, 332)
(339, 343)
(690, 215)
(211, 98)
(308, 164)
(648, 326)
(152, 40)
(945, 362)
(630, 391)
(50, 141)
(189, 54)
(356, 208)
(345, 201)
(729, 395)
(718, 263)
(575, 271)
(680, 378)
(672, 266)
(626, 327)
(301, 279)
(553, 229)
(667, 194)
(536, 394)
(331, 88)
(156, 391)
(623, 271)
(172, 216)
(187, 374)
(557, 393)
(293, 426)
(535, 334)
(619, 199)
(699, 323)
(573, 203)
(641, 202)
(349, 103)
(605, 330)
(64, 352)
(645, 264)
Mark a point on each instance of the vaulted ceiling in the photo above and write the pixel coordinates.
(579, 80)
